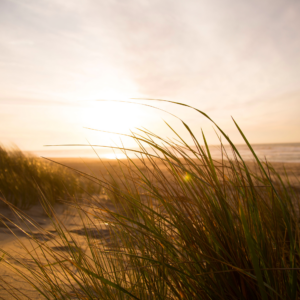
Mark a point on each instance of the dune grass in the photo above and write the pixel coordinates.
(24, 177)
(184, 227)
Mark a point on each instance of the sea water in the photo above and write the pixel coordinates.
(289, 153)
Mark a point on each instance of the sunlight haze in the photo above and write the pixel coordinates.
(227, 58)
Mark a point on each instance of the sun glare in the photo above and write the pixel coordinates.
(114, 156)
(105, 114)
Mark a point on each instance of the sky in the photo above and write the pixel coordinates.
(228, 58)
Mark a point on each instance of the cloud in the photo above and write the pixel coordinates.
(165, 47)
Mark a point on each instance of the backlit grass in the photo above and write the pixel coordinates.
(24, 178)
(184, 227)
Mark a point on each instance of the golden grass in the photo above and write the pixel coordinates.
(24, 178)
(177, 227)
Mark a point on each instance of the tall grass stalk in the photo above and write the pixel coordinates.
(189, 227)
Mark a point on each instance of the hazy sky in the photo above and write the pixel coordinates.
(227, 57)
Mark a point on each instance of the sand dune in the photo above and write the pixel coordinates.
(12, 234)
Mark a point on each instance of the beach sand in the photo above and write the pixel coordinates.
(43, 230)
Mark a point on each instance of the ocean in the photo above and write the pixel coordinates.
(287, 153)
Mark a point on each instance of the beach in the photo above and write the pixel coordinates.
(42, 229)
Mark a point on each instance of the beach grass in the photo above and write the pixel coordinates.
(182, 226)
(24, 178)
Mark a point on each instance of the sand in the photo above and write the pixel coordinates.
(42, 229)
(95, 168)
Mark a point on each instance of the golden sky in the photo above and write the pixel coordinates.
(226, 57)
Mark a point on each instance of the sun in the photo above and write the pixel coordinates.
(116, 120)
(108, 115)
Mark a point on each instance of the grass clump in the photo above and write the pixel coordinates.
(201, 229)
(23, 178)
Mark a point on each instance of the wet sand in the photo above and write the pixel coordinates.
(96, 168)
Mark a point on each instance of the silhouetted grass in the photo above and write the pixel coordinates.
(23, 179)
(189, 228)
